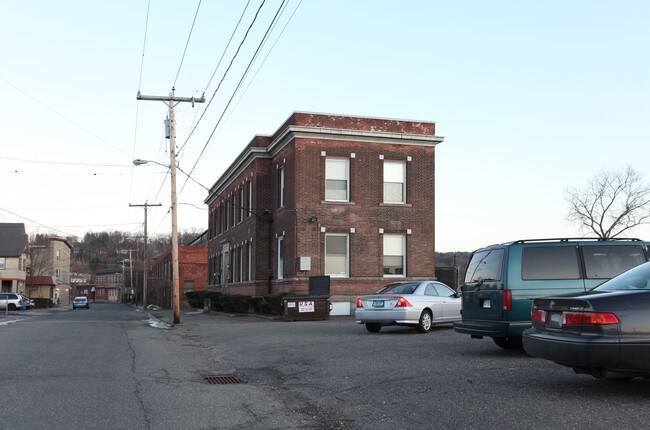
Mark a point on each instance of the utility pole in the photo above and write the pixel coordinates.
(171, 101)
(146, 269)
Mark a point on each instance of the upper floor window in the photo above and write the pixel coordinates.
(394, 255)
(241, 204)
(281, 186)
(337, 255)
(394, 182)
(2, 263)
(337, 179)
(250, 198)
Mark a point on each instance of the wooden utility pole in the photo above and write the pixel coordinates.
(146, 268)
(171, 101)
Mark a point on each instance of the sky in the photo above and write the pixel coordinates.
(531, 97)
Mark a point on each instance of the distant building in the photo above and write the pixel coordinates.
(347, 197)
(53, 260)
(108, 286)
(192, 270)
(14, 257)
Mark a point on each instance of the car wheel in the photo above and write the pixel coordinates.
(509, 342)
(373, 327)
(426, 320)
(12, 307)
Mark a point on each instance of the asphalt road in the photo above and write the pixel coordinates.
(105, 368)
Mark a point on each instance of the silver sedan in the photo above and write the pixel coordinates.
(419, 304)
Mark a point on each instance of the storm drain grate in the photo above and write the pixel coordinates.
(221, 379)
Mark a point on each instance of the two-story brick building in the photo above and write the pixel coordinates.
(192, 268)
(349, 197)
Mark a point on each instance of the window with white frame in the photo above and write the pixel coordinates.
(281, 186)
(394, 181)
(250, 198)
(394, 255)
(337, 179)
(241, 204)
(280, 257)
(337, 255)
(249, 257)
(2, 263)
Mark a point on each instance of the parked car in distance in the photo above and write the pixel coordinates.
(418, 304)
(80, 302)
(604, 332)
(502, 280)
(10, 301)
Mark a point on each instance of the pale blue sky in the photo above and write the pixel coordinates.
(532, 97)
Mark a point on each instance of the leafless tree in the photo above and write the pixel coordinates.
(613, 202)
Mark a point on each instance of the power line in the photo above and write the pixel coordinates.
(187, 43)
(264, 61)
(62, 163)
(63, 117)
(235, 91)
(224, 75)
(36, 222)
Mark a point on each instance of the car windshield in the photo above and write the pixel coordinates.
(637, 278)
(398, 288)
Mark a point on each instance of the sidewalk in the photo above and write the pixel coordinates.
(19, 314)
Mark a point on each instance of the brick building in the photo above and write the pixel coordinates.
(192, 273)
(348, 197)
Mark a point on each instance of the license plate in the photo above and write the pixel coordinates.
(378, 304)
(487, 304)
(555, 320)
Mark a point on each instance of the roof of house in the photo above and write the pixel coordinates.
(13, 239)
(40, 280)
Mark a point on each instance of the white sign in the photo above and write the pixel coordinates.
(305, 306)
(291, 304)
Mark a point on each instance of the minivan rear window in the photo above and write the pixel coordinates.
(550, 262)
(485, 266)
(607, 261)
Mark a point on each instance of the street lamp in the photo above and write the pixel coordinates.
(140, 162)
(175, 270)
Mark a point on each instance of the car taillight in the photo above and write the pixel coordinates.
(402, 303)
(359, 303)
(588, 318)
(507, 300)
(538, 315)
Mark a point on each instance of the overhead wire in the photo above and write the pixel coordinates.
(234, 92)
(263, 61)
(189, 36)
(225, 73)
(60, 115)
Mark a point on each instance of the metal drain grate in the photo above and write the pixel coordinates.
(221, 379)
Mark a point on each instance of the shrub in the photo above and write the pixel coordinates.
(274, 302)
(254, 303)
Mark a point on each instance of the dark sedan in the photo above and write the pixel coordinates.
(604, 332)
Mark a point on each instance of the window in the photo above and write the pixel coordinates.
(394, 182)
(337, 173)
(394, 255)
(249, 261)
(241, 204)
(280, 257)
(607, 261)
(336, 255)
(281, 186)
(485, 266)
(550, 262)
(2, 263)
(188, 286)
(250, 198)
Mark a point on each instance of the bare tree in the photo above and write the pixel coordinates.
(613, 202)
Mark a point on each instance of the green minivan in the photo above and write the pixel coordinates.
(502, 280)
